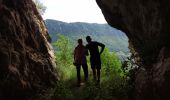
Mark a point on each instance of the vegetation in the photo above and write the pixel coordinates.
(40, 6)
(114, 83)
(115, 40)
(64, 57)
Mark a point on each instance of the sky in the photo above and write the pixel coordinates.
(73, 11)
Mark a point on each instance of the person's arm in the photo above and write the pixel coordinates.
(86, 50)
(74, 53)
(102, 47)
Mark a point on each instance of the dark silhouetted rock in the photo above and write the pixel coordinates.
(147, 25)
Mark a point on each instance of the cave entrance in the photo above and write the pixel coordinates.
(78, 19)
(67, 31)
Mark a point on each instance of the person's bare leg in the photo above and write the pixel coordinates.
(98, 75)
(78, 67)
(94, 74)
(85, 69)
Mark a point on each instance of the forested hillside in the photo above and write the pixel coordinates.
(114, 39)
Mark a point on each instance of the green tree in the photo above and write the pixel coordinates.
(64, 55)
(40, 6)
(111, 63)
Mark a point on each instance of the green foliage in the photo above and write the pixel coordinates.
(111, 63)
(64, 49)
(40, 6)
(113, 86)
(62, 91)
(64, 56)
(114, 39)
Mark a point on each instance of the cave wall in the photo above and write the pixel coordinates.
(147, 25)
(26, 56)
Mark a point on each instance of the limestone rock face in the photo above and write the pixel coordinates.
(26, 57)
(147, 24)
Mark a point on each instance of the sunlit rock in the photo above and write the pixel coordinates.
(26, 57)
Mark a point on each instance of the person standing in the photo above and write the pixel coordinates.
(95, 60)
(80, 53)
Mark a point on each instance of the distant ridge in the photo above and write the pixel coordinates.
(114, 39)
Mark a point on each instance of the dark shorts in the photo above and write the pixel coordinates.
(95, 62)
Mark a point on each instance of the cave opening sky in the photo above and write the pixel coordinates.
(73, 11)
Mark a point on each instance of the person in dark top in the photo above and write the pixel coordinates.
(80, 53)
(95, 60)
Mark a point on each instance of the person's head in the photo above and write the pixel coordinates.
(80, 41)
(88, 39)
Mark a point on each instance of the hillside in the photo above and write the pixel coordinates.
(114, 39)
